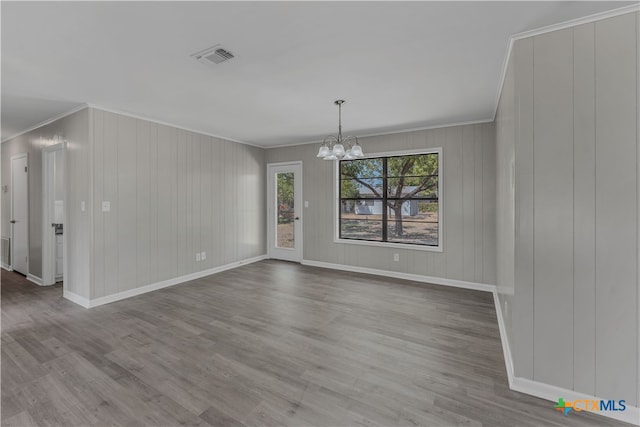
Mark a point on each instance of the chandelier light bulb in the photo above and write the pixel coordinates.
(338, 150)
(324, 151)
(356, 150)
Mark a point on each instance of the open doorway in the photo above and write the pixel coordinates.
(53, 206)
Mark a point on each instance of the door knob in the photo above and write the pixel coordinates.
(297, 218)
(13, 221)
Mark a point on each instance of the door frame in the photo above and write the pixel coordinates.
(48, 242)
(298, 198)
(13, 240)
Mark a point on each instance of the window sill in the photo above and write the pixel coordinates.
(390, 245)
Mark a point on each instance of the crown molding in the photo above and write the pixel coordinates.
(393, 132)
(74, 110)
(83, 106)
(577, 21)
(161, 122)
(555, 27)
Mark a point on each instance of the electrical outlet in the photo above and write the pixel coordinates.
(203, 256)
(106, 206)
(306, 203)
(396, 257)
(197, 256)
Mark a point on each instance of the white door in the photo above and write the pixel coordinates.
(19, 214)
(284, 210)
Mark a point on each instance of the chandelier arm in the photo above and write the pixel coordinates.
(331, 140)
(349, 140)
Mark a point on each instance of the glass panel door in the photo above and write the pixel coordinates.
(284, 196)
(285, 231)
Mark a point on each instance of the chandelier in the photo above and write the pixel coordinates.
(339, 148)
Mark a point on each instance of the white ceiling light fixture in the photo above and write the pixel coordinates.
(339, 148)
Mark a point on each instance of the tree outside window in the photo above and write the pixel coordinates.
(390, 199)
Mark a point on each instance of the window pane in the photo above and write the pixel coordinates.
(363, 168)
(416, 165)
(361, 219)
(361, 188)
(360, 228)
(426, 186)
(286, 212)
(412, 232)
(416, 223)
(355, 209)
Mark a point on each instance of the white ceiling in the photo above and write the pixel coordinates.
(399, 65)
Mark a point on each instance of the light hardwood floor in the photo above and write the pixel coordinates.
(272, 343)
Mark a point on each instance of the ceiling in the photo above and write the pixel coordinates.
(399, 65)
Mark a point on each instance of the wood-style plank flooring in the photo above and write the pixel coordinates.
(270, 344)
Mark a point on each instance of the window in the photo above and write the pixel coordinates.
(391, 200)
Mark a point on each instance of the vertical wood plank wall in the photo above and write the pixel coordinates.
(553, 208)
(524, 204)
(468, 197)
(575, 311)
(584, 208)
(172, 193)
(505, 198)
(77, 274)
(615, 194)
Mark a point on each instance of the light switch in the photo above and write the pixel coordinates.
(203, 256)
(306, 203)
(83, 206)
(106, 206)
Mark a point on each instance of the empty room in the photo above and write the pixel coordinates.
(320, 213)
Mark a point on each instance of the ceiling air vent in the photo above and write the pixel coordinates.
(213, 55)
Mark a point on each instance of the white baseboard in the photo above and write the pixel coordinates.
(34, 279)
(549, 392)
(406, 276)
(84, 302)
(6, 267)
(155, 286)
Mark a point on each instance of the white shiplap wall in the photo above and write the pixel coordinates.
(505, 198)
(468, 197)
(172, 193)
(575, 310)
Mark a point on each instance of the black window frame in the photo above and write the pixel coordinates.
(384, 241)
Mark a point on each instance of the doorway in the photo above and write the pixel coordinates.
(284, 210)
(53, 207)
(20, 214)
